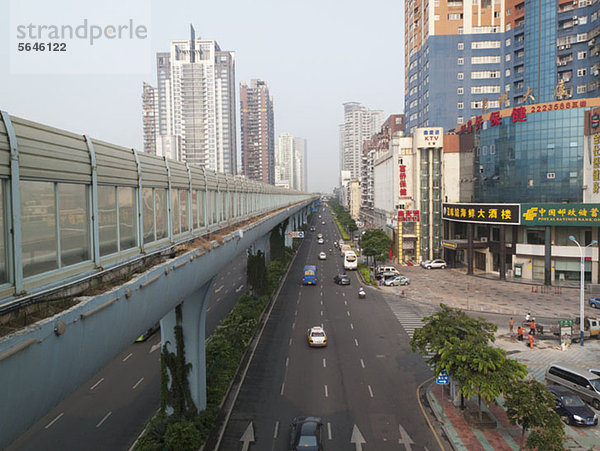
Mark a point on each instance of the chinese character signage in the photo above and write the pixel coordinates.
(409, 216)
(482, 213)
(519, 113)
(402, 193)
(429, 137)
(560, 214)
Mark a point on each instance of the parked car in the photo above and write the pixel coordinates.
(571, 408)
(342, 279)
(595, 302)
(386, 275)
(305, 434)
(577, 379)
(434, 264)
(322, 256)
(396, 280)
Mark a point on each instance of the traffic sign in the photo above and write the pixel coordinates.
(442, 379)
(296, 234)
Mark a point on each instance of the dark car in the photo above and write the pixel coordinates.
(571, 407)
(595, 302)
(305, 434)
(342, 279)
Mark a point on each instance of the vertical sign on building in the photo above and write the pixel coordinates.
(592, 159)
(402, 193)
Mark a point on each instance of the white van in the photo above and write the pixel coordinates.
(382, 269)
(350, 261)
(577, 379)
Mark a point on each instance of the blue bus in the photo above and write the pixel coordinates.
(309, 277)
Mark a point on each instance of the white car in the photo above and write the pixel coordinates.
(433, 264)
(322, 256)
(320, 241)
(316, 336)
(396, 280)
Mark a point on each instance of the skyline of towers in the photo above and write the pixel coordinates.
(257, 131)
(290, 162)
(191, 115)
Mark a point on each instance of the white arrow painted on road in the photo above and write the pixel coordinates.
(357, 438)
(219, 289)
(247, 437)
(239, 288)
(155, 347)
(405, 438)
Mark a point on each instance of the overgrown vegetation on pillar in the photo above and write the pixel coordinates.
(175, 387)
(277, 241)
(257, 273)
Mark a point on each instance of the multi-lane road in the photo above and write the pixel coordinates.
(112, 408)
(363, 385)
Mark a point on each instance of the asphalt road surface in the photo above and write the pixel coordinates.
(362, 385)
(110, 410)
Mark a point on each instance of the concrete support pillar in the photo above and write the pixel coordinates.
(262, 244)
(193, 322)
(502, 256)
(290, 227)
(547, 255)
(470, 248)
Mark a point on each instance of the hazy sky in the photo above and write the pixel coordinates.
(314, 55)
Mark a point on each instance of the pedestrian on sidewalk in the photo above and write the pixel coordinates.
(520, 332)
(530, 337)
(511, 324)
(532, 326)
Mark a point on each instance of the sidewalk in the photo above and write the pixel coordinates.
(505, 436)
(485, 294)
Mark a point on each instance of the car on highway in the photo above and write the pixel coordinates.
(594, 302)
(434, 264)
(322, 256)
(319, 235)
(312, 228)
(148, 333)
(342, 279)
(571, 407)
(320, 241)
(305, 434)
(316, 337)
(396, 280)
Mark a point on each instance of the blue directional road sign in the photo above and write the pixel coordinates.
(442, 379)
(296, 234)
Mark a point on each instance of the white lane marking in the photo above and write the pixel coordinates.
(287, 361)
(321, 301)
(54, 421)
(296, 312)
(345, 302)
(276, 430)
(238, 289)
(326, 392)
(138, 383)
(348, 312)
(96, 384)
(282, 387)
(344, 295)
(356, 342)
(351, 326)
(324, 363)
(362, 363)
(218, 300)
(321, 312)
(405, 438)
(329, 431)
(208, 309)
(130, 354)
(104, 419)
(294, 325)
(370, 390)
(154, 348)
(290, 343)
(220, 288)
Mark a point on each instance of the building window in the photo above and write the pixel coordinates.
(507, 72)
(507, 57)
(582, 72)
(460, 61)
(461, 75)
(460, 119)
(436, 17)
(461, 45)
(581, 55)
(460, 91)
(460, 105)
(581, 89)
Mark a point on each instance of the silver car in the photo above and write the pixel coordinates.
(434, 264)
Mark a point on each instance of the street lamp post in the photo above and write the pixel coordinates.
(581, 288)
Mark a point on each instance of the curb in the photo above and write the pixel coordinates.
(440, 420)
